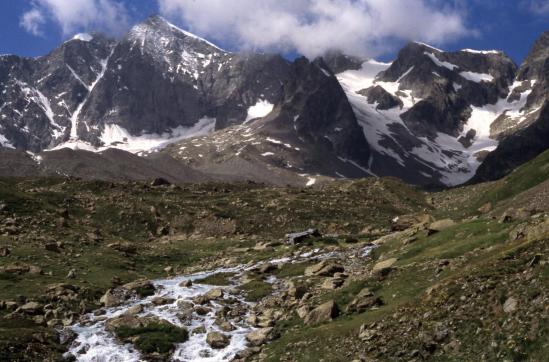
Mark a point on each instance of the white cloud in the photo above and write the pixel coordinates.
(32, 21)
(311, 27)
(76, 15)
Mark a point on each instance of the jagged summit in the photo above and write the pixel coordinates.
(159, 31)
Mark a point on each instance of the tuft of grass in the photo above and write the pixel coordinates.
(221, 279)
(289, 270)
(456, 241)
(256, 290)
(154, 338)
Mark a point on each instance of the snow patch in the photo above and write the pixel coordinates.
(481, 51)
(259, 110)
(311, 181)
(405, 74)
(477, 77)
(191, 35)
(118, 137)
(429, 46)
(78, 77)
(76, 114)
(441, 63)
(4, 142)
(326, 73)
(482, 117)
(114, 136)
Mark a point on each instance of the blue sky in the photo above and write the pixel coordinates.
(508, 25)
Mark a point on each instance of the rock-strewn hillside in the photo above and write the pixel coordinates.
(387, 272)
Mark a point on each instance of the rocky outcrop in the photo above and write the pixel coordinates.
(383, 99)
(323, 313)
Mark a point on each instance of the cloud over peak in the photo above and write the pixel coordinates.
(312, 27)
(308, 27)
(76, 15)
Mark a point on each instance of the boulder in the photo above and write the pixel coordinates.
(200, 310)
(186, 284)
(142, 288)
(510, 305)
(67, 336)
(303, 311)
(364, 300)
(226, 326)
(199, 330)
(124, 320)
(159, 181)
(404, 222)
(440, 225)
(486, 208)
(124, 247)
(31, 308)
(296, 291)
(513, 214)
(36, 270)
(518, 232)
(260, 336)
(112, 298)
(184, 305)
(4, 252)
(538, 231)
(323, 313)
(296, 238)
(136, 309)
(267, 268)
(218, 340)
(71, 274)
(53, 247)
(16, 268)
(162, 300)
(333, 283)
(325, 268)
(214, 294)
(382, 266)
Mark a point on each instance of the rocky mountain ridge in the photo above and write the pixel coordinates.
(430, 117)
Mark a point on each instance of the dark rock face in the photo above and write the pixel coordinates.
(442, 113)
(39, 95)
(155, 79)
(339, 62)
(516, 149)
(316, 104)
(240, 83)
(536, 67)
(379, 95)
(160, 78)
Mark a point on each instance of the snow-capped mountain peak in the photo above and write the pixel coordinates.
(83, 37)
(428, 117)
(157, 33)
